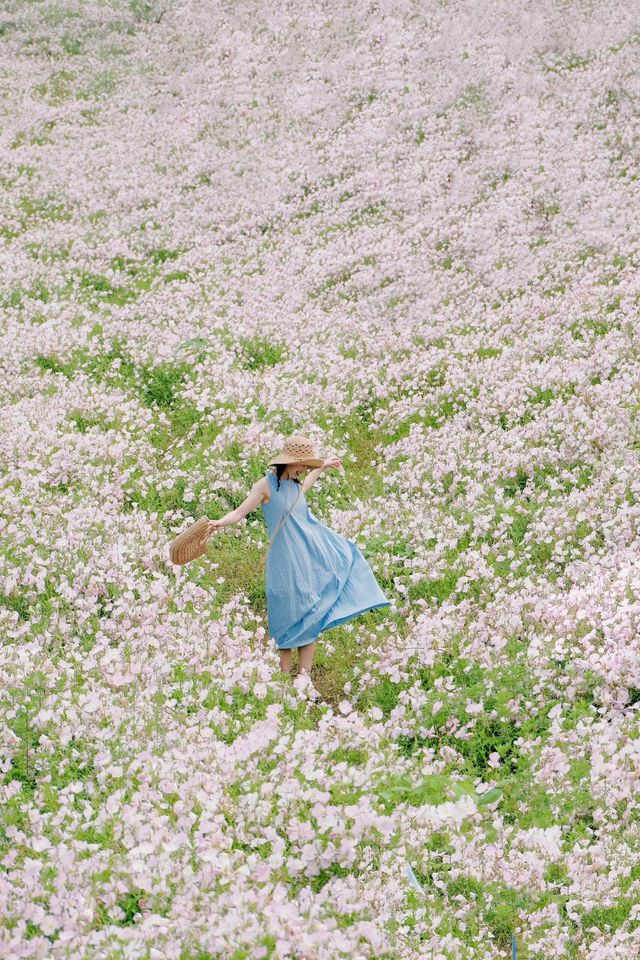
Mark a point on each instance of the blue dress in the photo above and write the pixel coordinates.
(315, 578)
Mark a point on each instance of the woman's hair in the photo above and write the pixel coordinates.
(279, 469)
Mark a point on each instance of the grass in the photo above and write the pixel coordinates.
(243, 569)
(155, 385)
(258, 353)
(384, 695)
(332, 670)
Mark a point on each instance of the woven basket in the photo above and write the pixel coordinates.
(189, 545)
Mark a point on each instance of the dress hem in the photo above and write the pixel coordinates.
(335, 623)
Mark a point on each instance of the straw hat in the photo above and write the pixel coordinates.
(298, 450)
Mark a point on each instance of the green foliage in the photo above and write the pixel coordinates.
(130, 904)
(146, 10)
(328, 873)
(573, 61)
(331, 671)
(182, 416)
(84, 422)
(164, 501)
(487, 904)
(590, 327)
(372, 213)
(436, 591)
(258, 353)
(485, 353)
(432, 789)
(119, 295)
(349, 755)
(609, 919)
(472, 95)
(242, 567)
(161, 255)
(157, 386)
(384, 695)
(70, 44)
(489, 736)
(27, 700)
(512, 486)
(19, 604)
(433, 415)
(58, 88)
(188, 691)
(361, 479)
(160, 383)
(334, 280)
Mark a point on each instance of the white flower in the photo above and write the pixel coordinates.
(474, 708)
(305, 687)
(40, 843)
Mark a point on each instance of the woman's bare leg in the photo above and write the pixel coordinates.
(285, 661)
(305, 656)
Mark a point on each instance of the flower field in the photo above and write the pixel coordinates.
(410, 232)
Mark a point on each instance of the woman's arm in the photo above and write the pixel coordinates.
(254, 499)
(311, 478)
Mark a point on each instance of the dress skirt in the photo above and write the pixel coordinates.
(315, 578)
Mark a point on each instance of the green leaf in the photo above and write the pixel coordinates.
(463, 788)
(194, 342)
(494, 794)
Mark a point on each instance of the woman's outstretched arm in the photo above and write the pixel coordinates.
(254, 499)
(311, 477)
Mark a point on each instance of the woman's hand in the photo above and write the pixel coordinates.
(334, 462)
(212, 525)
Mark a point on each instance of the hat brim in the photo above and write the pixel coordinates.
(313, 462)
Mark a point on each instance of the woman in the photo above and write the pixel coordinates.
(315, 578)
